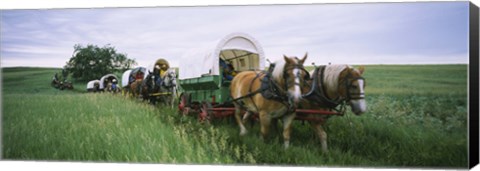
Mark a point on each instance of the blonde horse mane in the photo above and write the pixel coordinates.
(332, 74)
(278, 70)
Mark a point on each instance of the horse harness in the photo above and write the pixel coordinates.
(271, 90)
(318, 93)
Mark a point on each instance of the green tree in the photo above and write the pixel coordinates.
(92, 62)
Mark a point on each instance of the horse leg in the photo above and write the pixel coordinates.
(132, 92)
(152, 100)
(246, 116)
(265, 121)
(274, 125)
(287, 128)
(317, 126)
(173, 97)
(171, 101)
(238, 118)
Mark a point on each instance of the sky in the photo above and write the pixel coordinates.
(356, 33)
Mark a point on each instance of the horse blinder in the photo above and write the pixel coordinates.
(349, 86)
(306, 77)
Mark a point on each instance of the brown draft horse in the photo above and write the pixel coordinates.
(136, 87)
(331, 86)
(246, 90)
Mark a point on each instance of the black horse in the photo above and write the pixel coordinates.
(151, 86)
(154, 87)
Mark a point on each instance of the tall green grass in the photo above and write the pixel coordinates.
(102, 127)
(417, 117)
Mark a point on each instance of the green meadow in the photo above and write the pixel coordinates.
(417, 117)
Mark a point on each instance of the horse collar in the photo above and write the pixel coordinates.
(332, 103)
(317, 91)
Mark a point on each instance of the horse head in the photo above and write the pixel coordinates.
(354, 89)
(334, 85)
(291, 74)
(342, 83)
(170, 79)
(151, 81)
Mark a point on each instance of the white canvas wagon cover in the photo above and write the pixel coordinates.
(90, 84)
(126, 74)
(102, 80)
(160, 61)
(239, 49)
(125, 77)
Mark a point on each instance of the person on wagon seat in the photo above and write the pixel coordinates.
(131, 79)
(162, 71)
(114, 84)
(158, 72)
(228, 70)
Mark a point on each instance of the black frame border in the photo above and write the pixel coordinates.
(473, 85)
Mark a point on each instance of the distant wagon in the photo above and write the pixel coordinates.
(109, 83)
(93, 86)
(132, 80)
(59, 84)
(205, 74)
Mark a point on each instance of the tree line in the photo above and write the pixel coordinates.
(92, 62)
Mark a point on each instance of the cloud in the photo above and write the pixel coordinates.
(356, 33)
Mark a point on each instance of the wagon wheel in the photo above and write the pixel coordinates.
(205, 114)
(184, 104)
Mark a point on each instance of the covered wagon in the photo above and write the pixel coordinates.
(133, 75)
(93, 86)
(205, 74)
(109, 83)
(129, 76)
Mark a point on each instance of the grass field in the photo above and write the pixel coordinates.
(417, 117)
